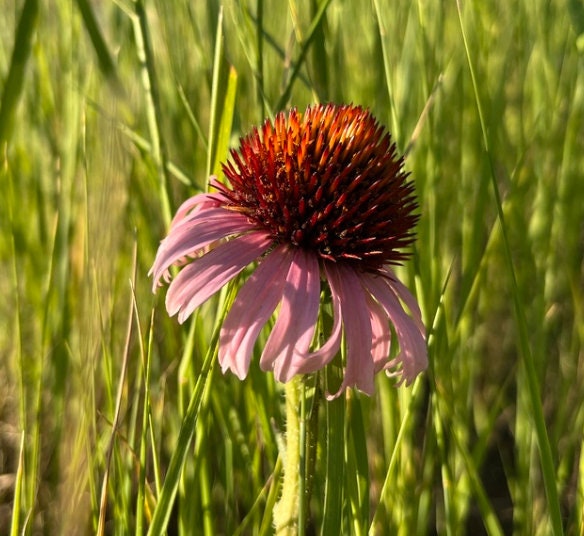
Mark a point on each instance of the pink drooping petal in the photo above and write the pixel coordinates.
(191, 235)
(198, 281)
(413, 354)
(359, 370)
(252, 308)
(402, 292)
(380, 334)
(313, 361)
(294, 327)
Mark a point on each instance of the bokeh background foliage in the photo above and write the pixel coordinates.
(114, 112)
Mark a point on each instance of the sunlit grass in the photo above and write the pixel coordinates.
(117, 112)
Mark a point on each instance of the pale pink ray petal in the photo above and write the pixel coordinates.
(313, 361)
(294, 327)
(203, 213)
(359, 370)
(198, 281)
(200, 202)
(191, 237)
(250, 311)
(403, 293)
(380, 334)
(413, 354)
(194, 204)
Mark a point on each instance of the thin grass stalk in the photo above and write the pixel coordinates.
(33, 480)
(259, 70)
(546, 458)
(103, 374)
(117, 412)
(425, 507)
(579, 510)
(319, 65)
(205, 492)
(130, 457)
(217, 402)
(186, 374)
(22, 406)
(335, 467)
(267, 498)
(302, 463)
(389, 422)
(192, 119)
(387, 70)
(272, 498)
(153, 442)
(215, 88)
(145, 355)
(445, 470)
(357, 462)
(17, 505)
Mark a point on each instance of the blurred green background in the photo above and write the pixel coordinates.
(114, 112)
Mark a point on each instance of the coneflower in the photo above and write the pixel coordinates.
(319, 198)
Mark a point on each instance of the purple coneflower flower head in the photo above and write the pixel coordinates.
(318, 200)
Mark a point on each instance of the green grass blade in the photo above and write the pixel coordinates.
(17, 505)
(105, 61)
(302, 465)
(169, 488)
(218, 85)
(225, 123)
(111, 447)
(187, 430)
(20, 56)
(357, 472)
(259, 70)
(146, 359)
(387, 69)
(386, 490)
(490, 520)
(319, 72)
(334, 470)
(193, 120)
(153, 111)
(312, 32)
